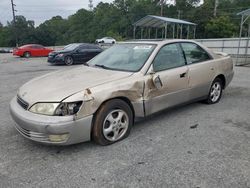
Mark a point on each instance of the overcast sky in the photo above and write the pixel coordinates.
(41, 10)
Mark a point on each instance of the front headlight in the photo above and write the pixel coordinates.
(59, 55)
(56, 109)
(44, 108)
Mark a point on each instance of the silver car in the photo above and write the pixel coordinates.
(100, 101)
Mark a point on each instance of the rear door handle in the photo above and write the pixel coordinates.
(183, 75)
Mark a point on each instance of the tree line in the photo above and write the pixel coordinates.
(115, 19)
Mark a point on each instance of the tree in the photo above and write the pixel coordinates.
(22, 29)
(52, 31)
(80, 27)
(220, 27)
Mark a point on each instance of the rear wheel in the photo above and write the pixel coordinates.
(112, 123)
(26, 54)
(68, 60)
(215, 92)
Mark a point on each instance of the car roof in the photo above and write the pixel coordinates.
(29, 45)
(157, 41)
(85, 44)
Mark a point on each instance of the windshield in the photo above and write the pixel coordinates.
(25, 46)
(123, 57)
(71, 47)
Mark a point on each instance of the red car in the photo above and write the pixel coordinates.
(34, 50)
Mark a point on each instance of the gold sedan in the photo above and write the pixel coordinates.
(100, 101)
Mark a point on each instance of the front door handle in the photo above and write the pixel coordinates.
(183, 75)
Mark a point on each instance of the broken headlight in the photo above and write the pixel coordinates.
(67, 109)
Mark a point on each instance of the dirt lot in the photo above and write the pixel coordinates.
(161, 151)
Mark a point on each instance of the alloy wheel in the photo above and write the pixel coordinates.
(115, 125)
(215, 92)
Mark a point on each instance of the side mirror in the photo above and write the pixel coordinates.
(155, 78)
(157, 81)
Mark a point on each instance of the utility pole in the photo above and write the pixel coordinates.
(161, 3)
(91, 5)
(14, 20)
(216, 3)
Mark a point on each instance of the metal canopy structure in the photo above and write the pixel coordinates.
(162, 23)
(244, 17)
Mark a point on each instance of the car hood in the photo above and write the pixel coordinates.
(60, 52)
(56, 86)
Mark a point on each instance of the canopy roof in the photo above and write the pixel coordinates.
(244, 12)
(158, 21)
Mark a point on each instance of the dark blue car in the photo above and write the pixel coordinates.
(74, 53)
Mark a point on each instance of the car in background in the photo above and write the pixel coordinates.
(74, 53)
(6, 50)
(32, 50)
(130, 80)
(106, 40)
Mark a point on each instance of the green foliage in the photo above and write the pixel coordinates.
(116, 19)
(220, 27)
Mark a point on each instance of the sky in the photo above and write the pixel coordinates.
(41, 10)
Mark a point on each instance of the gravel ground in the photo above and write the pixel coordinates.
(196, 145)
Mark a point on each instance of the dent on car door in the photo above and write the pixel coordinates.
(170, 76)
(201, 69)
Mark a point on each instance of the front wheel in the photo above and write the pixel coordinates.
(68, 60)
(112, 123)
(27, 54)
(215, 92)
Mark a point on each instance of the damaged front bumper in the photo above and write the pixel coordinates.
(56, 130)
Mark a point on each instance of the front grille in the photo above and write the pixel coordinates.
(32, 135)
(22, 103)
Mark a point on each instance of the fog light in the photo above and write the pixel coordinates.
(58, 138)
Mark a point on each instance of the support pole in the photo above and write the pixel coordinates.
(156, 33)
(177, 31)
(188, 32)
(247, 44)
(166, 30)
(194, 31)
(134, 31)
(181, 31)
(141, 32)
(173, 30)
(238, 51)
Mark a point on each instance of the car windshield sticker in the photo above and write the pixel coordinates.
(142, 47)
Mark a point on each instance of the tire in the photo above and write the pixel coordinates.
(68, 60)
(112, 122)
(26, 54)
(113, 42)
(215, 92)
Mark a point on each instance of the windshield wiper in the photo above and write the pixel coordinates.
(102, 66)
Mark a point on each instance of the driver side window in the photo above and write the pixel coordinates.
(82, 49)
(169, 56)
